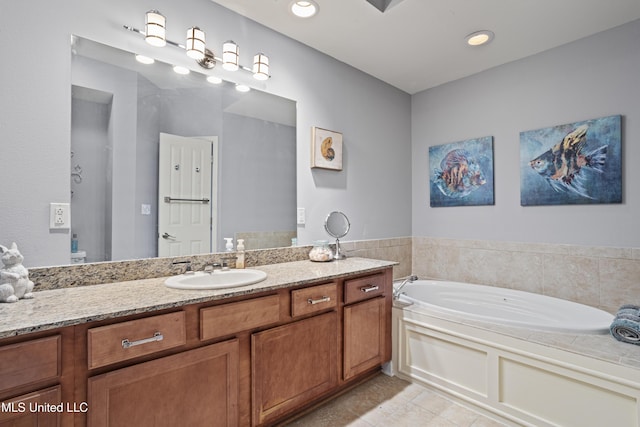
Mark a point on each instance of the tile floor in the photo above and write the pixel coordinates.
(392, 402)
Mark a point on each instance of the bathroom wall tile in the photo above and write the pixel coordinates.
(398, 250)
(478, 266)
(572, 278)
(520, 270)
(619, 282)
(602, 252)
(400, 241)
(441, 262)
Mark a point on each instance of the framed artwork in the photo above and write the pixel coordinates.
(326, 149)
(461, 173)
(574, 163)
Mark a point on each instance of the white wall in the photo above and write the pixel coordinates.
(35, 110)
(593, 77)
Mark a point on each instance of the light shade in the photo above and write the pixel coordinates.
(479, 38)
(230, 54)
(304, 9)
(155, 29)
(195, 43)
(261, 66)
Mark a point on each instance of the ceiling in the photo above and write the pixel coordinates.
(418, 44)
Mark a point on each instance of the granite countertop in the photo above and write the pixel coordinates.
(71, 306)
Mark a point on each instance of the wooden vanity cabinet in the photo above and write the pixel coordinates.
(197, 387)
(251, 360)
(35, 380)
(293, 364)
(366, 334)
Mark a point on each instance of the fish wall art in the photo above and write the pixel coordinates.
(575, 163)
(461, 173)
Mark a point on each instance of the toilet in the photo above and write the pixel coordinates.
(78, 257)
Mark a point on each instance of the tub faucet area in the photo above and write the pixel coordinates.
(397, 290)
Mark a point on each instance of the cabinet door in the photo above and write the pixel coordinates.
(37, 409)
(364, 336)
(195, 388)
(292, 364)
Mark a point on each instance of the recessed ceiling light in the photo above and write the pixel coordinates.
(304, 9)
(214, 79)
(479, 38)
(144, 59)
(181, 70)
(242, 88)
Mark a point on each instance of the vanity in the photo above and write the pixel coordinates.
(140, 353)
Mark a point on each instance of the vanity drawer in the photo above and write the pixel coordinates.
(239, 316)
(126, 340)
(30, 362)
(363, 288)
(313, 299)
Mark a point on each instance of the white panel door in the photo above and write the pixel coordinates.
(185, 205)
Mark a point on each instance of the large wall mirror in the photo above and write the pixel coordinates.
(148, 143)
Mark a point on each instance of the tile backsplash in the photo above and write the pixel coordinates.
(603, 277)
(45, 278)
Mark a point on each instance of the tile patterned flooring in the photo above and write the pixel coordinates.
(387, 401)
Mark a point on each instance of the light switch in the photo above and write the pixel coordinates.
(301, 216)
(59, 216)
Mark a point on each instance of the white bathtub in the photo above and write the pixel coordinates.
(507, 307)
(444, 338)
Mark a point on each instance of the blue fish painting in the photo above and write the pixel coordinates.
(576, 163)
(461, 173)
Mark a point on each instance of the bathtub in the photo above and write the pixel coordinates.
(507, 307)
(523, 359)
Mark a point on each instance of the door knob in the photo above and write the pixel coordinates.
(168, 236)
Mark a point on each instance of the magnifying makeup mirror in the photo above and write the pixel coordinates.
(337, 225)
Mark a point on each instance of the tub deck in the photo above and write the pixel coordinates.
(522, 376)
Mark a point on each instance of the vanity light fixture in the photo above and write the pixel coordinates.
(230, 54)
(195, 43)
(304, 9)
(261, 66)
(144, 59)
(155, 28)
(155, 34)
(479, 38)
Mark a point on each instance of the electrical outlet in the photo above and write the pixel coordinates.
(301, 216)
(145, 209)
(59, 216)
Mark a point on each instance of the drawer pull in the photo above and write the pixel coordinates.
(370, 288)
(318, 301)
(156, 337)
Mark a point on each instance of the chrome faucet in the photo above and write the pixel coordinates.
(397, 290)
(211, 268)
(187, 269)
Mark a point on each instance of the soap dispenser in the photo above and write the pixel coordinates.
(229, 244)
(240, 254)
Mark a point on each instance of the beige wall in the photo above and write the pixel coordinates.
(604, 277)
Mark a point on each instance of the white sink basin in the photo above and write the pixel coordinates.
(216, 280)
